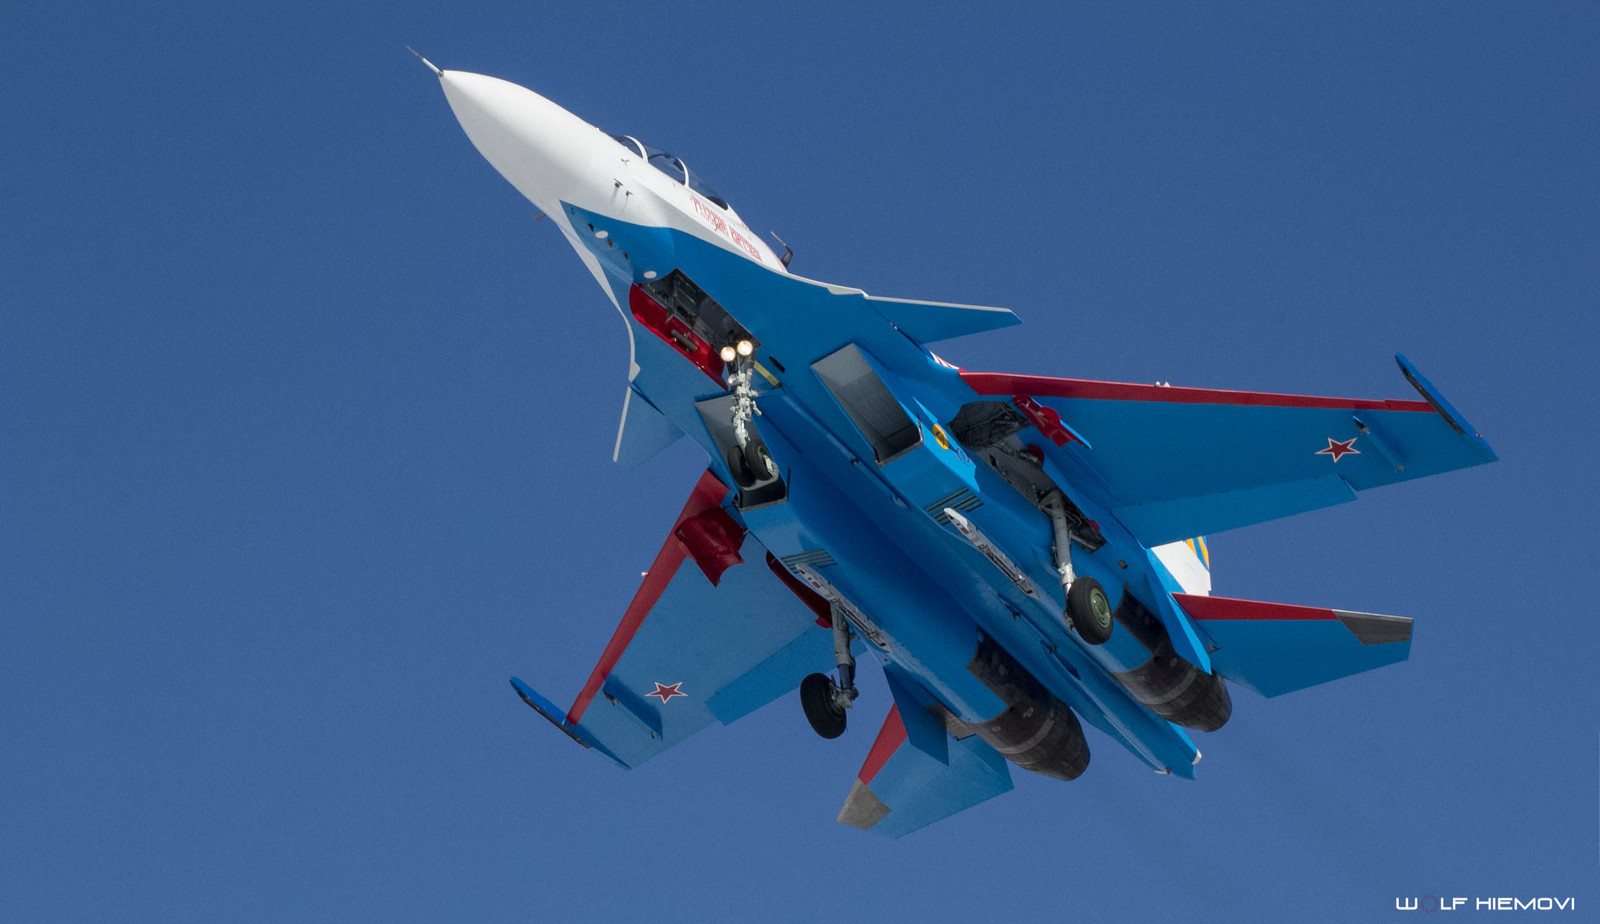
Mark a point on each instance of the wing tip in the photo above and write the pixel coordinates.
(549, 710)
(1444, 408)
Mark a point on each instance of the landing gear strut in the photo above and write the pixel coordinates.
(748, 459)
(1088, 610)
(823, 700)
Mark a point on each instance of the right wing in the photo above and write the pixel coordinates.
(1173, 463)
(711, 635)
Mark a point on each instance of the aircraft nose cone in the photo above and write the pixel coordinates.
(541, 148)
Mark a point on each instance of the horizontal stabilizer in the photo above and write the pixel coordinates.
(917, 773)
(1275, 648)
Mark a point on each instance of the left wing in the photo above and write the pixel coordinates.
(1179, 462)
(711, 635)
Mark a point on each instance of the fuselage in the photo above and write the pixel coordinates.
(895, 491)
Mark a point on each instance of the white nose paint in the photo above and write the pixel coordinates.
(553, 157)
(546, 152)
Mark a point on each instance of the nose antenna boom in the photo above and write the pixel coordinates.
(436, 71)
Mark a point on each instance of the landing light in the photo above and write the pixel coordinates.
(746, 348)
(728, 354)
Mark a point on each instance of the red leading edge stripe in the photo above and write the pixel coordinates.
(1206, 608)
(890, 737)
(708, 492)
(1040, 386)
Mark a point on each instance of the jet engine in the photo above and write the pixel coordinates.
(1036, 731)
(1167, 684)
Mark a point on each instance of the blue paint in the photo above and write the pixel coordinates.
(1148, 472)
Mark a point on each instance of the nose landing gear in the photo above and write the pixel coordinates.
(748, 459)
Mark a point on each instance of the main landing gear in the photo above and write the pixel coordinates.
(1088, 610)
(823, 700)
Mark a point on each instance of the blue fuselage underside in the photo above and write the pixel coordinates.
(930, 592)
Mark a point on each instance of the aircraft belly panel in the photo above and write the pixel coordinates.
(926, 631)
(1030, 629)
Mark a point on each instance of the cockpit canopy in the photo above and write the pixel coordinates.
(671, 166)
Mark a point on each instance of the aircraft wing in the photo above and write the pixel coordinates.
(712, 634)
(1173, 463)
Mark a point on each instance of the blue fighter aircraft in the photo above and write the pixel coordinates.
(1018, 552)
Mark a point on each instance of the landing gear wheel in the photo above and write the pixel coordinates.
(739, 468)
(760, 462)
(818, 698)
(1089, 611)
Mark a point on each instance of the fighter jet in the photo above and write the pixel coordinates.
(1020, 553)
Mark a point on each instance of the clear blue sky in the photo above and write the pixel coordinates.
(306, 433)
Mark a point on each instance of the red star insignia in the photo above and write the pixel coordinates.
(667, 691)
(1337, 448)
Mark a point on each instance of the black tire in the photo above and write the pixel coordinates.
(762, 467)
(739, 468)
(1089, 611)
(826, 716)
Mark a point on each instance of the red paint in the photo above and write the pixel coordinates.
(890, 737)
(712, 539)
(999, 383)
(708, 492)
(1046, 419)
(1207, 608)
(667, 691)
(1338, 449)
(809, 597)
(659, 321)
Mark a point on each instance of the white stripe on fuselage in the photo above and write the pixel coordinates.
(670, 204)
